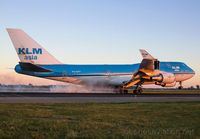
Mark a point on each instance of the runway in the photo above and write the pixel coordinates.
(28, 97)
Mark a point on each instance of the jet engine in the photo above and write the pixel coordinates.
(166, 85)
(164, 78)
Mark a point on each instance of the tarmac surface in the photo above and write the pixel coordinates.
(27, 97)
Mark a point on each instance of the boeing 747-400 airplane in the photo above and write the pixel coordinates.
(36, 61)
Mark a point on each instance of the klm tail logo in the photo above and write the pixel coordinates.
(28, 51)
(30, 54)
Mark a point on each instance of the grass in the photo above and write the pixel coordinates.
(146, 91)
(100, 120)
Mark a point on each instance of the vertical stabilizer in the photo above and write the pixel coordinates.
(28, 50)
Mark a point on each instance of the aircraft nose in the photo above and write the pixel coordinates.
(192, 75)
(193, 72)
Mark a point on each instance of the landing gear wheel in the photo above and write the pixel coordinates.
(140, 91)
(137, 91)
(123, 91)
(180, 87)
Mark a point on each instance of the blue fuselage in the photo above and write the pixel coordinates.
(86, 71)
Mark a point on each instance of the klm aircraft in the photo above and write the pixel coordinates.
(36, 61)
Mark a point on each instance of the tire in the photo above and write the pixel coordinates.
(135, 92)
(140, 91)
(180, 87)
(121, 91)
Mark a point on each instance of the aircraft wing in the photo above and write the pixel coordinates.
(135, 80)
(147, 68)
(32, 67)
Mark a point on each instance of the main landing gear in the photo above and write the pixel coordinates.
(180, 87)
(123, 90)
(137, 90)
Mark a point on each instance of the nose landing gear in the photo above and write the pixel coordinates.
(180, 87)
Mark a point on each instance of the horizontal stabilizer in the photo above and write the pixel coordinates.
(146, 55)
(33, 68)
(149, 63)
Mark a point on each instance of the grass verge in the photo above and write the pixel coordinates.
(100, 120)
(147, 91)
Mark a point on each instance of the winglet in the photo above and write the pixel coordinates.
(146, 55)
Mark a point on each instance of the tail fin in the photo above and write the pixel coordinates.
(28, 50)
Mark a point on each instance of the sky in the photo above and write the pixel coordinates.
(102, 32)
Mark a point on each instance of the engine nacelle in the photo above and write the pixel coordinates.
(165, 78)
(166, 85)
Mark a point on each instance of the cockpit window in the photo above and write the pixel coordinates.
(184, 65)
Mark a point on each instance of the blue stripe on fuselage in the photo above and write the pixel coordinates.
(102, 70)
